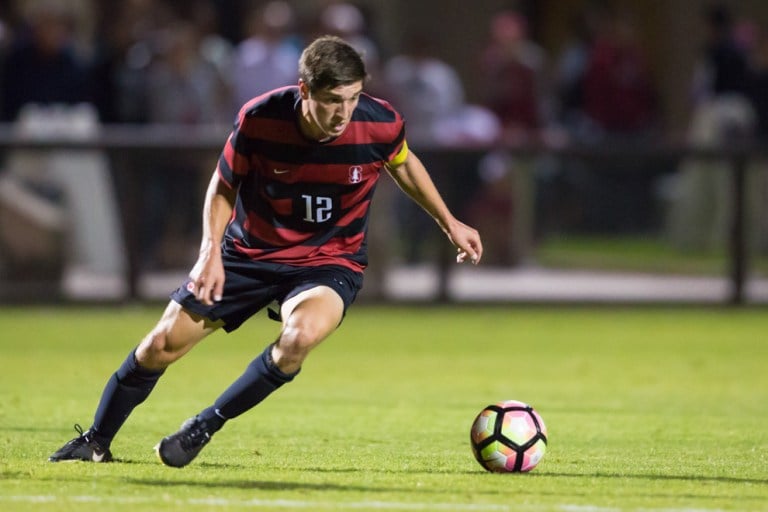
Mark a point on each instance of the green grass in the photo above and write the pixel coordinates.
(648, 409)
(637, 253)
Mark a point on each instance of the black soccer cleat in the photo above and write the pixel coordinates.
(179, 449)
(83, 447)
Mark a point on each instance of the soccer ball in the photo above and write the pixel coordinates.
(508, 437)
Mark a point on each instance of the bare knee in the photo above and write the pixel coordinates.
(309, 317)
(296, 340)
(175, 335)
(155, 352)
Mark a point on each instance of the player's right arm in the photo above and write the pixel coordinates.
(208, 273)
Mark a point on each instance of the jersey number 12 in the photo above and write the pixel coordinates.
(317, 208)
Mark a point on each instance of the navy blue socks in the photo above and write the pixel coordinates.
(260, 379)
(129, 386)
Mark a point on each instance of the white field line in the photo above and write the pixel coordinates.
(213, 503)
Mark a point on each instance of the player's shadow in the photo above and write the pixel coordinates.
(13, 428)
(262, 485)
(156, 462)
(386, 471)
(331, 470)
(649, 476)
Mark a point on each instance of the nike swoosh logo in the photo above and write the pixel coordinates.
(281, 171)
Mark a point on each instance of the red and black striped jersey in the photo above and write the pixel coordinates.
(303, 202)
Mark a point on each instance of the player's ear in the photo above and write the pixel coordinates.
(303, 89)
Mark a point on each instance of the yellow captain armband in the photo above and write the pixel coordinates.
(399, 157)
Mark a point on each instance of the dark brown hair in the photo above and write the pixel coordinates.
(328, 62)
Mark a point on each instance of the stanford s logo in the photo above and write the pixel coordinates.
(355, 174)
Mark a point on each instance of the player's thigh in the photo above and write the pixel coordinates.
(312, 314)
(174, 335)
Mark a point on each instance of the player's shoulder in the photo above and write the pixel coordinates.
(277, 103)
(373, 109)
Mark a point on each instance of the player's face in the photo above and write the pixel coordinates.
(326, 113)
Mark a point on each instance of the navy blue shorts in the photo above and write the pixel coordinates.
(249, 286)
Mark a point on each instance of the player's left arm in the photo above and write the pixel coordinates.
(412, 177)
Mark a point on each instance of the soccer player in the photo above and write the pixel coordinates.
(285, 219)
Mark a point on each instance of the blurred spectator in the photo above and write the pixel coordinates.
(571, 68)
(722, 68)
(757, 85)
(42, 63)
(513, 75)
(700, 199)
(66, 193)
(347, 21)
(6, 35)
(123, 52)
(213, 47)
(491, 208)
(620, 107)
(182, 89)
(619, 96)
(757, 82)
(430, 95)
(424, 89)
(266, 58)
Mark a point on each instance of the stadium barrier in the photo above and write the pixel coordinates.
(134, 145)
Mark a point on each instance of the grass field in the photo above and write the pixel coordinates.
(650, 254)
(651, 409)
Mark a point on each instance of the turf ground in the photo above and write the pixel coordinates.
(652, 409)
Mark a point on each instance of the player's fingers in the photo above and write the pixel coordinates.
(218, 291)
(474, 247)
(469, 252)
(478, 252)
(203, 292)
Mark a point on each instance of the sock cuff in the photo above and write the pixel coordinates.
(131, 370)
(213, 418)
(273, 369)
(103, 441)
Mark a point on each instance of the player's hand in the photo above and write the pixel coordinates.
(467, 242)
(208, 276)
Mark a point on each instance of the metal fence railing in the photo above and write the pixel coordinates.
(127, 148)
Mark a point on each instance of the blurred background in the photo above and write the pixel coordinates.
(608, 151)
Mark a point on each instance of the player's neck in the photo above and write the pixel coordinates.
(309, 127)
